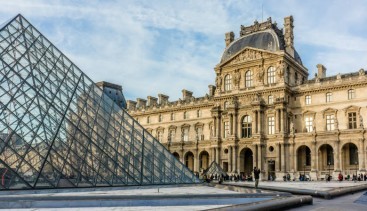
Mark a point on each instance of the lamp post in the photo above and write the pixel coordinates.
(356, 171)
(304, 172)
(328, 179)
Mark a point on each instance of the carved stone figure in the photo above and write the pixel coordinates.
(218, 82)
(362, 72)
(281, 68)
(236, 77)
(361, 121)
(339, 76)
(292, 127)
(260, 73)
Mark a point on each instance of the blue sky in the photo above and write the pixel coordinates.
(152, 47)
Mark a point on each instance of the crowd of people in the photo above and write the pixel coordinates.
(354, 177)
(232, 177)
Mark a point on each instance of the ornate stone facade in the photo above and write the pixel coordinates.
(265, 112)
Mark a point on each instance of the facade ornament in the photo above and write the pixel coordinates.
(336, 123)
(361, 121)
(362, 72)
(218, 82)
(339, 76)
(236, 77)
(260, 73)
(292, 127)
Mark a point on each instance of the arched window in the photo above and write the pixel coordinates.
(228, 83)
(271, 75)
(246, 127)
(248, 78)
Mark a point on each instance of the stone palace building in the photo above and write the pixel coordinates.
(264, 111)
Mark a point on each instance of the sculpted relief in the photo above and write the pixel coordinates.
(247, 55)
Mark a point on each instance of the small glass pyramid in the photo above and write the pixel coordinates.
(58, 129)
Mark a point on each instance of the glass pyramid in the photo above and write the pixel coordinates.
(214, 169)
(58, 129)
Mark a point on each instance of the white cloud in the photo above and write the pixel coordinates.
(166, 46)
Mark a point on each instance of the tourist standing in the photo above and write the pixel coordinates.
(257, 176)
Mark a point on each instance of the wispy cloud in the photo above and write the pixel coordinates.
(166, 46)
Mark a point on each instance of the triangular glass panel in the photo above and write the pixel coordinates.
(58, 129)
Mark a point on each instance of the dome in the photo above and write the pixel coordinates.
(265, 40)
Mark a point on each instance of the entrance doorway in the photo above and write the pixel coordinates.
(271, 170)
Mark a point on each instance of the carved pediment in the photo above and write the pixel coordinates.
(329, 111)
(248, 54)
(309, 113)
(352, 108)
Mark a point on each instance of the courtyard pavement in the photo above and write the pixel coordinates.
(185, 197)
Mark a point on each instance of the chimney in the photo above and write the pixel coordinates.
(163, 99)
(186, 94)
(141, 103)
(131, 105)
(321, 71)
(211, 90)
(229, 38)
(288, 35)
(152, 101)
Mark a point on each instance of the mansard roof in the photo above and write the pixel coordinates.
(265, 36)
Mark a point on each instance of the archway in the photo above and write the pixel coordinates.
(176, 155)
(326, 158)
(204, 160)
(246, 161)
(349, 158)
(303, 158)
(189, 160)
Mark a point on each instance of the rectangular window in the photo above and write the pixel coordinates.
(186, 134)
(270, 99)
(352, 120)
(309, 123)
(308, 100)
(200, 134)
(329, 97)
(160, 136)
(330, 122)
(172, 135)
(351, 94)
(226, 129)
(271, 125)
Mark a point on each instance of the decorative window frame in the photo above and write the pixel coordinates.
(306, 114)
(183, 127)
(350, 109)
(197, 126)
(330, 111)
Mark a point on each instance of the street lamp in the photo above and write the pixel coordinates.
(356, 171)
(328, 179)
(304, 172)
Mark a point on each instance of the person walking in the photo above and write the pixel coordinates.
(257, 176)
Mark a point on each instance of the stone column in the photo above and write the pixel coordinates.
(212, 156)
(231, 124)
(230, 159)
(363, 153)
(259, 122)
(196, 161)
(234, 157)
(277, 159)
(295, 161)
(282, 158)
(217, 155)
(215, 126)
(313, 155)
(291, 156)
(336, 156)
(281, 120)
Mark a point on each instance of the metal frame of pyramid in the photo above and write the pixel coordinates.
(58, 129)
(213, 169)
